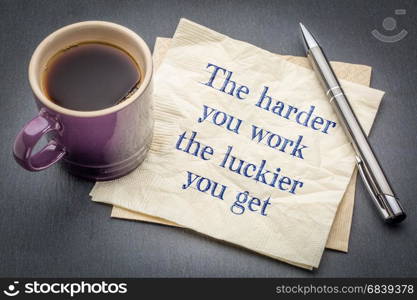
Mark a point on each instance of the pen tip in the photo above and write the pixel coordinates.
(309, 40)
(303, 29)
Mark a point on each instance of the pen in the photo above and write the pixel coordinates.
(370, 170)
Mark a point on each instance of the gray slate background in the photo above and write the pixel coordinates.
(48, 225)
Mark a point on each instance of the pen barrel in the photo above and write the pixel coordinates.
(370, 169)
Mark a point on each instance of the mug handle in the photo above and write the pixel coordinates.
(29, 136)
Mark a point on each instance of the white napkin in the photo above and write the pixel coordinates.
(283, 202)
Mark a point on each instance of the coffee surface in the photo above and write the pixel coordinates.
(90, 76)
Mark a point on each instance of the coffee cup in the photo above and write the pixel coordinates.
(98, 144)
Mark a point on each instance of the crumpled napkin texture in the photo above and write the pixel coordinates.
(297, 226)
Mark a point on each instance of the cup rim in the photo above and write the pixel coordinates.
(95, 113)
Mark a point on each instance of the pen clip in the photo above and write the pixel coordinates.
(370, 186)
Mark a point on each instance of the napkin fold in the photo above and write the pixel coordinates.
(292, 227)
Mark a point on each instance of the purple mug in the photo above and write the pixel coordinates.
(99, 145)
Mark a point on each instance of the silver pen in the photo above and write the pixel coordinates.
(371, 172)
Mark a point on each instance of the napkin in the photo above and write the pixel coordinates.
(246, 148)
(339, 234)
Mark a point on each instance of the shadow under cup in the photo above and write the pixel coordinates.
(99, 145)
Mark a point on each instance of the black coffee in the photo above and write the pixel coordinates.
(90, 76)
